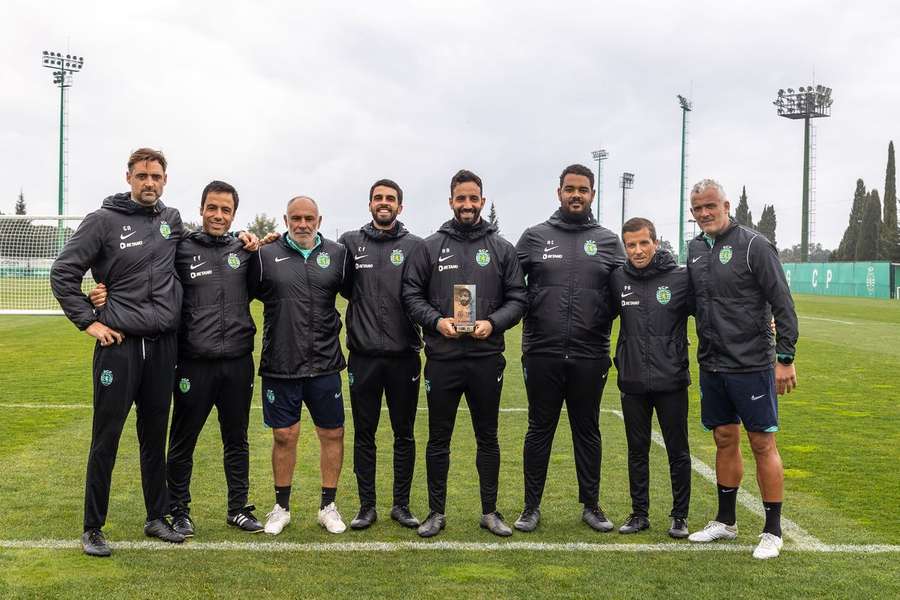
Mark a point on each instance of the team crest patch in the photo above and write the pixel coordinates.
(427, 386)
(397, 257)
(590, 248)
(233, 261)
(725, 254)
(483, 257)
(663, 294)
(323, 260)
(270, 396)
(164, 229)
(106, 377)
(350, 378)
(184, 385)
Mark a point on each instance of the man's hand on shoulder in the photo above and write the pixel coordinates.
(104, 334)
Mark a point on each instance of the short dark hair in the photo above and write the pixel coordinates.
(219, 186)
(387, 183)
(464, 176)
(144, 154)
(577, 169)
(635, 224)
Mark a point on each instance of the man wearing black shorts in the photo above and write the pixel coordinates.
(739, 286)
(297, 279)
(384, 350)
(466, 250)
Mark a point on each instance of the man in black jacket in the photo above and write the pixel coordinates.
(739, 285)
(384, 349)
(297, 279)
(129, 244)
(651, 294)
(465, 251)
(565, 340)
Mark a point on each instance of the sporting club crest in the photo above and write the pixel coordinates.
(397, 257)
(184, 385)
(233, 261)
(164, 229)
(323, 260)
(483, 257)
(270, 396)
(106, 377)
(663, 294)
(590, 247)
(725, 254)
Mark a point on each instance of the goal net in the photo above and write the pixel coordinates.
(28, 246)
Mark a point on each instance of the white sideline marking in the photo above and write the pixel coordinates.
(47, 544)
(829, 320)
(38, 406)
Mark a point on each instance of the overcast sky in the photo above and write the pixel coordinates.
(288, 98)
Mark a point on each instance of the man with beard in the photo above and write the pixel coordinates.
(467, 251)
(384, 350)
(565, 340)
(739, 287)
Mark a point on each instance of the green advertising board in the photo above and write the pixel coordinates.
(859, 279)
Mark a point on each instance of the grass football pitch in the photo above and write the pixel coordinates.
(839, 443)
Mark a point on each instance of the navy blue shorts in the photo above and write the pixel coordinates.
(322, 396)
(733, 398)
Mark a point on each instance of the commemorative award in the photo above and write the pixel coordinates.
(464, 307)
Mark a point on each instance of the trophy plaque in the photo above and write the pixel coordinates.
(464, 307)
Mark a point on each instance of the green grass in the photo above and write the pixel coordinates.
(839, 443)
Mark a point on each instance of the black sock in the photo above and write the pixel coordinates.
(727, 501)
(283, 496)
(773, 518)
(328, 495)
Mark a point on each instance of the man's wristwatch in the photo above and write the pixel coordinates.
(786, 359)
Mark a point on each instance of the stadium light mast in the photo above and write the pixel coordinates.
(599, 155)
(686, 107)
(626, 182)
(806, 103)
(63, 69)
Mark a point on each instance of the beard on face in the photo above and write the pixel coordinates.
(383, 219)
(567, 206)
(466, 212)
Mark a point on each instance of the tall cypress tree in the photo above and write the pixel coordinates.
(847, 248)
(870, 229)
(889, 234)
(20, 203)
(742, 214)
(768, 222)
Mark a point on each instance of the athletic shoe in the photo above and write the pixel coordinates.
(401, 514)
(94, 544)
(679, 528)
(277, 520)
(182, 523)
(494, 523)
(244, 519)
(713, 531)
(595, 519)
(769, 546)
(432, 525)
(529, 519)
(162, 529)
(364, 518)
(330, 519)
(635, 523)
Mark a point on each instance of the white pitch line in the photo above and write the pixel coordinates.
(587, 547)
(39, 406)
(828, 320)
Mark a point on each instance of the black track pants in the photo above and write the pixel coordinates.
(481, 380)
(139, 371)
(671, 412)
(579, 383)
(201, 384)
(398, 379)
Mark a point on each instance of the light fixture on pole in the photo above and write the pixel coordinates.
(626, 182)
(686, 107)
(599, 155)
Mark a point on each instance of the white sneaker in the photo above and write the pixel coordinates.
(713, 531)
(330, 519)
(769, 546)
(277, 520)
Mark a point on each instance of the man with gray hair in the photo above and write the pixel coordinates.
(739, 285)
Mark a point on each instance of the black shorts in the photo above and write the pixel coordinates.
(281, 400)
(733, 398)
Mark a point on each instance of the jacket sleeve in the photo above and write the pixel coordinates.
(416, 279)
(522, 252)
(515, 298)
(615, 305)
(349, 271)
(254, 275)
(67, 272)
(762, 258)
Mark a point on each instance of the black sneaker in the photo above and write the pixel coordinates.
(162, 529)
(679, 528)
(595, 519)
(364, 518)
(494, 523)
(529, 519)
(402, 514)
(182, 523)
(432, 525)
(94, 544)
(244, 519)
(635, 523)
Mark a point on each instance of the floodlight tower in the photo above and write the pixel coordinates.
(599, 155)
(63, 68)
(626, 182)
(806, 103)
(686, 107)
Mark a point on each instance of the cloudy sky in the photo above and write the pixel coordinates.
(284, 98)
